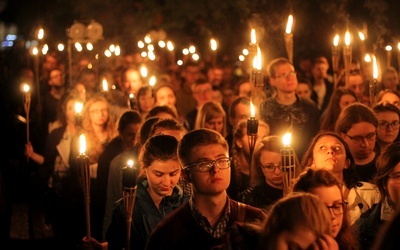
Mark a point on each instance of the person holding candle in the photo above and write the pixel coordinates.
(201, 222)
(329, 151)
(286, 111)
(266, 174)
(58, 180)
(157, 193)
(242, 158)
(128, 128)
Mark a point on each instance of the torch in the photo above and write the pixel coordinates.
(335, 59)
(252, 49)
(252, 129)
(347, 55)
(257, 86)
(373, 84)
(214, 45)
(288, 165)
(84, 177)
(27, 107)
(78, 115)
(129, 175)
(289, 38)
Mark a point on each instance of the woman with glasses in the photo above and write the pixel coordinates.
(323, 184)
(387, 180)
(329, 151)
(388, 117)
(266, 181)
(357, 125)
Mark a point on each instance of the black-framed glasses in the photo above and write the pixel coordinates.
(283, 76)
(337, 208)
(385, 125)
(271, 167)
(396, 178)
(358, 138)
(207, 166)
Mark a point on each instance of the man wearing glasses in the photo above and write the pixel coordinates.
(287, 112)
(357, 125)
(210, 213)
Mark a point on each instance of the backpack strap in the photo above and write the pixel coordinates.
(241, 211)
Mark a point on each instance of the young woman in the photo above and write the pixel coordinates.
(157, 195)
(341, 97)
(241, 157)
(323, 184)
(266, 181)
(212, 116)
(145, 99)
(387, 131)
(298, 221)
(329, 151)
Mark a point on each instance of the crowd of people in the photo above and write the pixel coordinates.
(200, 185)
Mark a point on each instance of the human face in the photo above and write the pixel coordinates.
(346, 100)
(128, 135)
(285, 79)
(56, 78)
(301, 238)
(98, 113)
(393, 188)
(274, 178)
(356, 84)
(361, 150)
(191, 74)
(203, 93)
(165, 96)
(392, 99)
(330, 154)
(390, 80)
(214, 182)
(243, 143)
(331, 196)
(70, 111)
(133, 82)
(146, 102)
(242, 111)
(162, 177)
(303, 90)
(390, 133)
(216, 123)
(245, 89)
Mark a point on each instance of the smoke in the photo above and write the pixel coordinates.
(378, 9)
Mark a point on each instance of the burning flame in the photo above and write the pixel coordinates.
(286, 139)
(289, 24)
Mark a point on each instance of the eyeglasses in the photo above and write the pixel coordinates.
(385, 125)
(207, 166)
(337, 208)
(359, 138)
(396, 178)
(271, 167)
(291, 74)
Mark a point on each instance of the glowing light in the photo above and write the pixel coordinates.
(252, 110)
(367, 58)
(40, 34)
(347, 38)
(140, 44)
(286, 139)
(78, 107)
(89, 46)
(289, 24)
(253, 37)
(336, 40)
(104, 83)
(361, 35)
(152, 81)
(60, 47)
(388, 48)
(82, 144)
(213, 44)
(375, 67)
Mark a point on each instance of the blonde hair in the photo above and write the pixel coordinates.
(208, 111)
(294, 212)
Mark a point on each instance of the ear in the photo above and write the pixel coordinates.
(239, 143)
(312, 165)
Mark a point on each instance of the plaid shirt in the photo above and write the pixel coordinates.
(219, 229)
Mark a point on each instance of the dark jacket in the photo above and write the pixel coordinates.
(181, 231)
(145, 217)
(261, 196)
(369, 225)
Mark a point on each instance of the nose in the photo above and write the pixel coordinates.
(277, 170)
(166, 180)
(365, 142)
